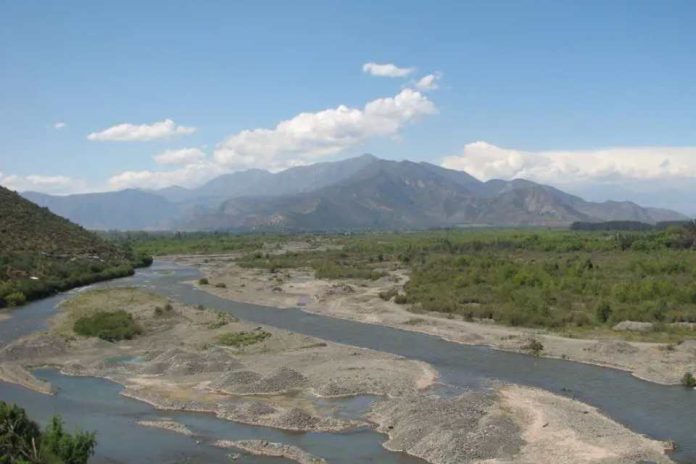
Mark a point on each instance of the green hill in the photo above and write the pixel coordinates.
(41, 253)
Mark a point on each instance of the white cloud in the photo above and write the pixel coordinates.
(43, 184)
(59, 125)
(487, 161)
(309, 136)
(190, 175)
(428, 82)
(181, 156)
(653, 176)
(141, 133)
(386, 70)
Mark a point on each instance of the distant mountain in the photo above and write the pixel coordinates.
(125, 210)
(41, 253)
(407, 195)
(354, 194)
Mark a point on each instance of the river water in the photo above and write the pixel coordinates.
(661, 412)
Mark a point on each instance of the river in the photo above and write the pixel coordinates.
(661, 412)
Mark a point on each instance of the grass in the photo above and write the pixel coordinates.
(241, 339)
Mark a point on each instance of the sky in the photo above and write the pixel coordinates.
(595, 97)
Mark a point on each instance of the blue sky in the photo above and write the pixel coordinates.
(593, 96)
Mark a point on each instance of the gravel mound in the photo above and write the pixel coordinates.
(612, 348)
(43, 346)
(465, 429)
(180, 362)
(281, 380)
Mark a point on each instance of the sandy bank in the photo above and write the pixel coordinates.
(15, 373)
(170, 425)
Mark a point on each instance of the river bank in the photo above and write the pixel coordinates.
(359, 300)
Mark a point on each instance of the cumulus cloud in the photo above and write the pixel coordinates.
(190, 175)
(182, 156)
(43, 184)
(309, 136)
(386, 70)
(141, 133)
(59, 125)
(487, 161)
(429, 82)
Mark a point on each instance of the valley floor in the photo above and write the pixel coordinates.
(359, 300)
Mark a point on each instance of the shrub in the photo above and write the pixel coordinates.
(534, 346)
(15, 299)
(688, 380)
(400, 299)
(221, 285)
(603, 311)
(240, 339)
(110, 326)
(203, 281)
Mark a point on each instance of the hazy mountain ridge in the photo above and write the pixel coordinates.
(355, 194)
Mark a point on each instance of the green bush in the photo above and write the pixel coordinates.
(534, 346)
(23, 442)
(221, 285)
(240, 339)
(688, 380)
(15, 299)
(110, 326)
(203, 281)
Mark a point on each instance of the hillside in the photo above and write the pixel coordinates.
(355, 194)
(41, 253)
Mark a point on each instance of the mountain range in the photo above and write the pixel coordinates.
(362, 193)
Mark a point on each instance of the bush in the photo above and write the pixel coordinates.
(400, 299)
(535, 347)
(221, 285)
(603, 312)
(203, 281)
(15, 299)
(22, 441)
(688, 380)
(239, 339)
(110, 326)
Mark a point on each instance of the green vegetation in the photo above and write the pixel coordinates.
(168, 243)
(110, 326)
(41, 253)
(327, 264)
(221, 285)
(688, 380)
(570, 281)
(241, 339)
(23, 442)
(203, 281)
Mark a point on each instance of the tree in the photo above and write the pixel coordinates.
(23, 442)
